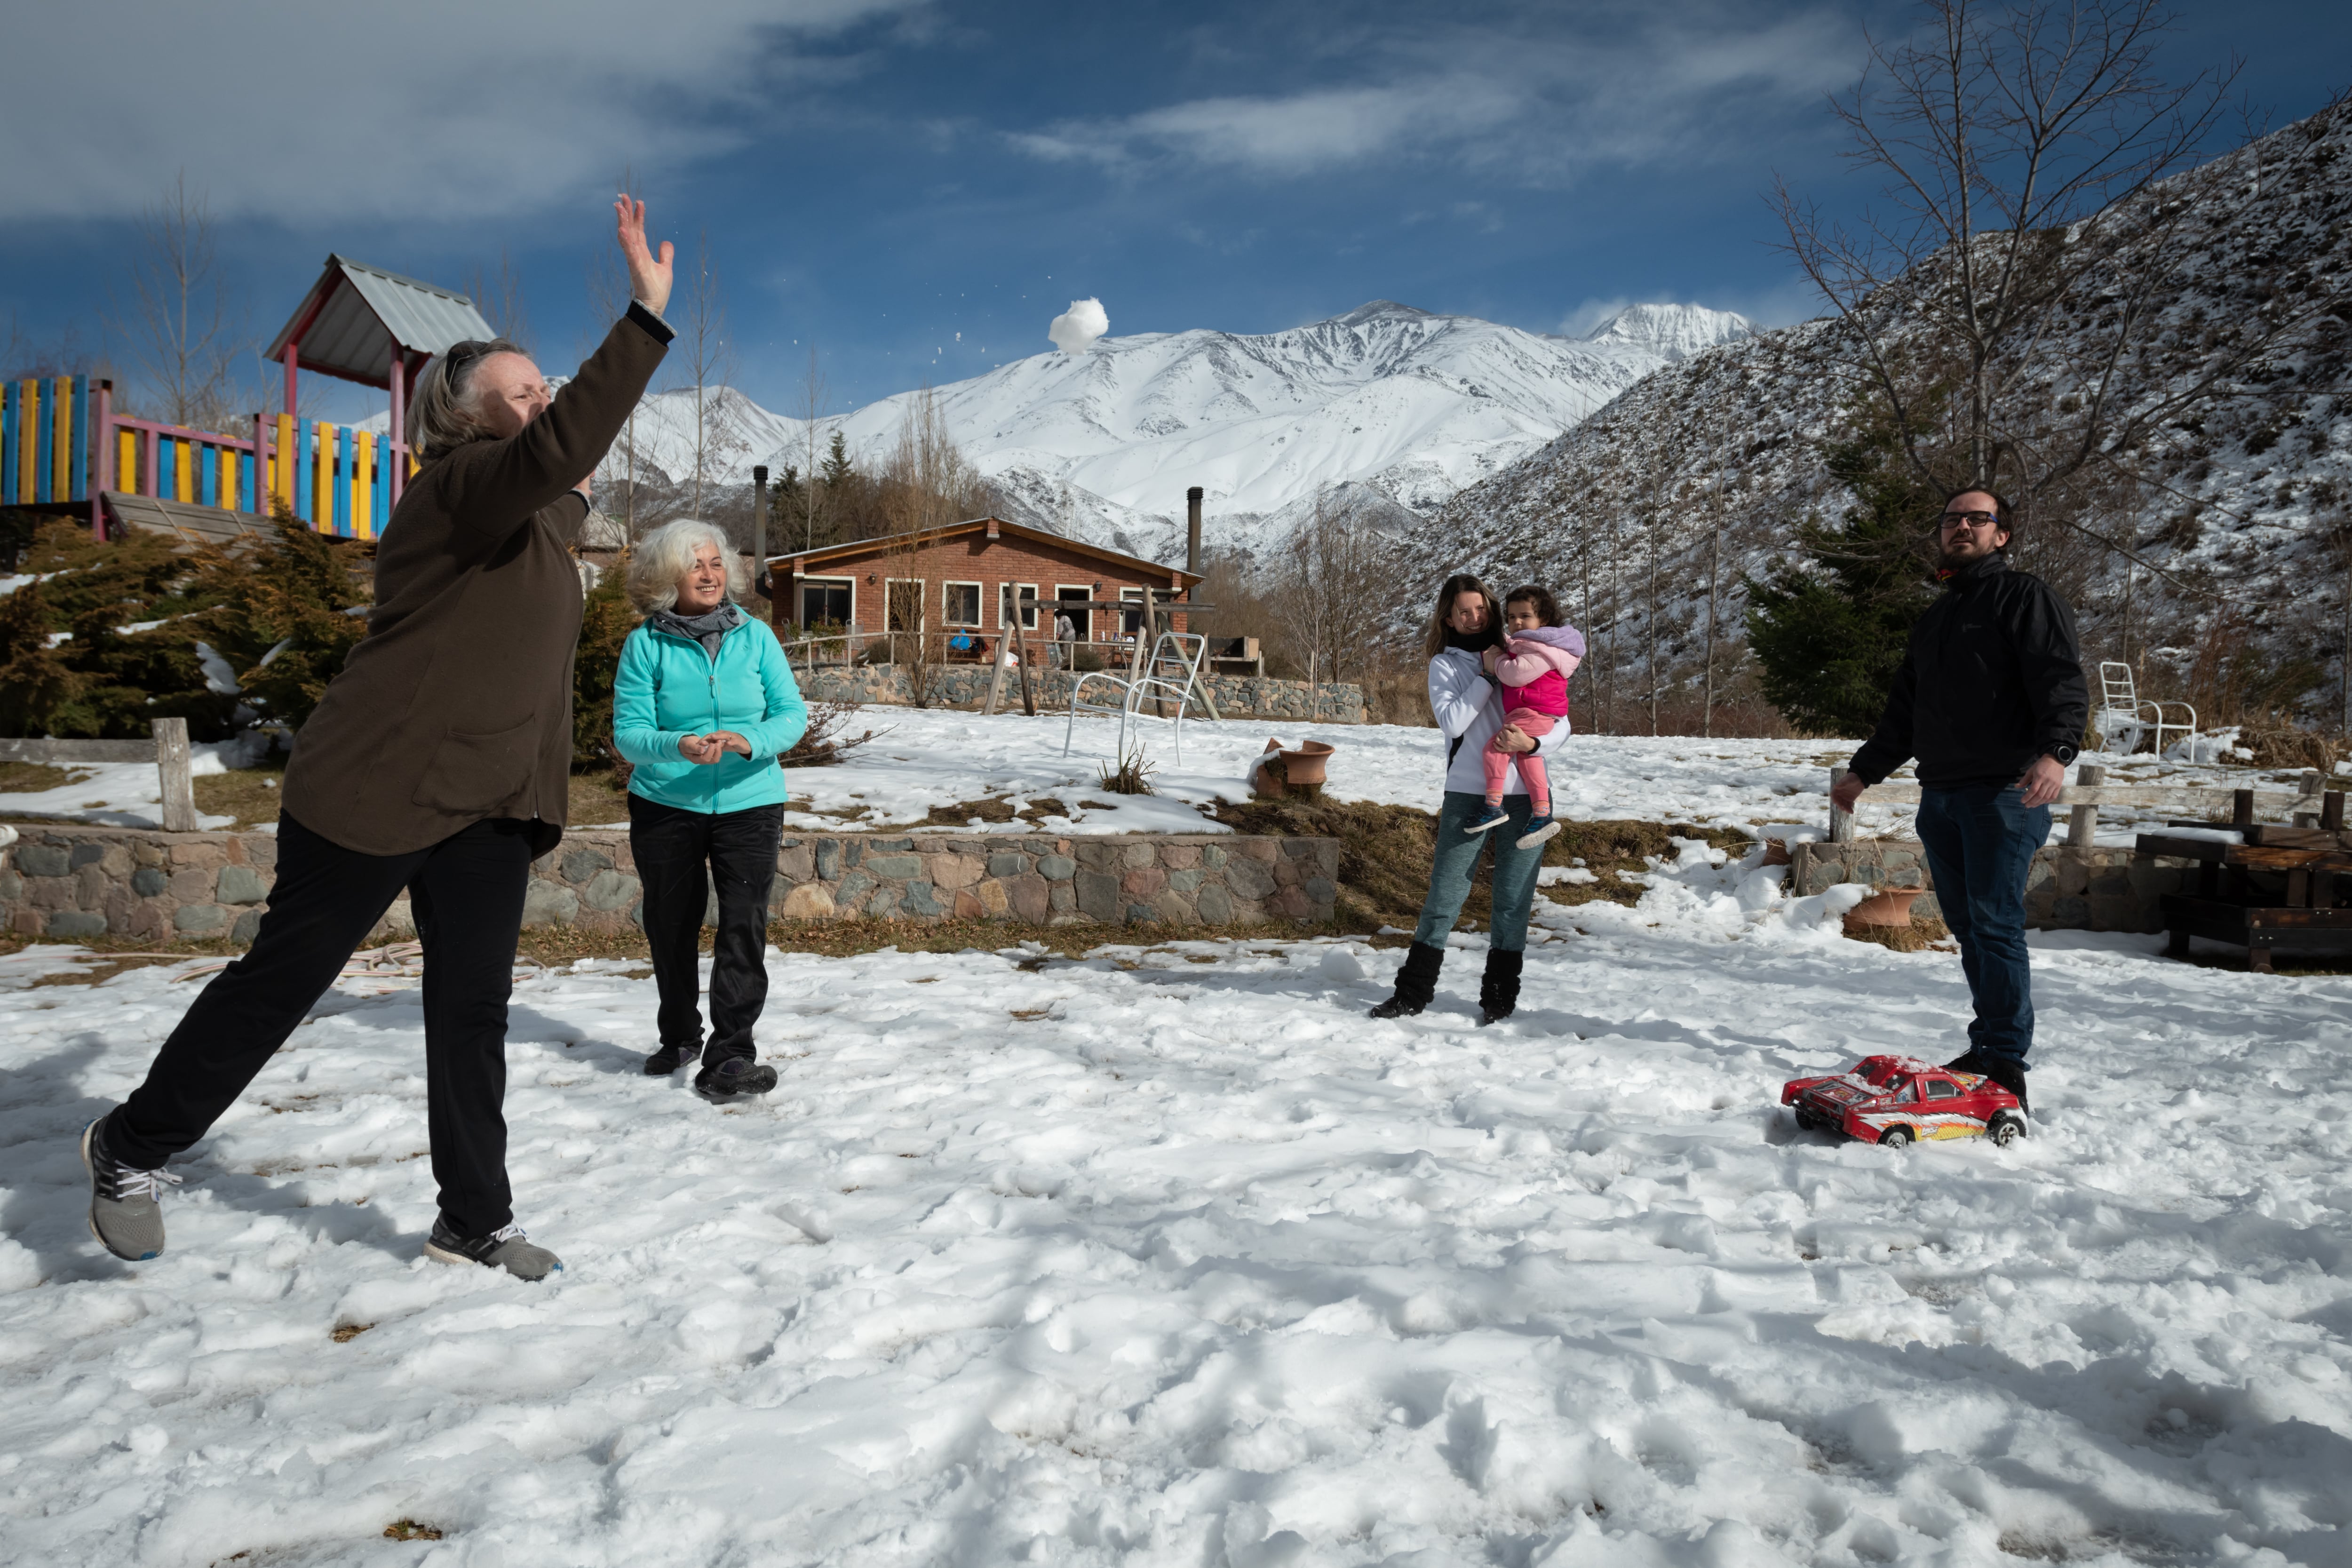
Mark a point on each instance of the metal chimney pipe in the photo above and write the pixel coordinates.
(1193, 530)
(759, 531)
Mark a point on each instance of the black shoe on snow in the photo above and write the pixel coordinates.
(669, 1059)
(1498, 988)
(502, 1248)
(725, 1080)
(2010, 1073)
(1416, 982)
(1967, 1062)
(123, 1211)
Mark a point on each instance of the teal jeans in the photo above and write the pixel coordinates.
(1457, 861)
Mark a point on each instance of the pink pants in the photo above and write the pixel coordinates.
(1498, 762)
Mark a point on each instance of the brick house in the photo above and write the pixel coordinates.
(969, 577)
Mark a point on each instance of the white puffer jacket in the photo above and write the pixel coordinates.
(1469, 708)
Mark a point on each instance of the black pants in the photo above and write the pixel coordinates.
(673, 848)
(466, 892)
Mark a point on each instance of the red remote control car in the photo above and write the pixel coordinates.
(1896, 1100)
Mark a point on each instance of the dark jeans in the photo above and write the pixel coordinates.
(680, 855)
(1457, 860)
(1981, 843)
(466, 892)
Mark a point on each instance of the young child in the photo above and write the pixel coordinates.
(1539, 653)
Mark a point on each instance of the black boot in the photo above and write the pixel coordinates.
(1498, 988)
(1416, 982)
(1967, 1061)
(2010, 1073)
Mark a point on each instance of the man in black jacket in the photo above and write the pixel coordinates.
(1992, 701)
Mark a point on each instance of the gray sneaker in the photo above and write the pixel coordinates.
(123, 1211)
(502, 1248)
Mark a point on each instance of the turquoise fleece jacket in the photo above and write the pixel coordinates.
(668, 689)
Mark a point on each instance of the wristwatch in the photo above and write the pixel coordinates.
(2064, 754)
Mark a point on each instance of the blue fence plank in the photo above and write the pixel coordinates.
(81, 464)
(44, 440)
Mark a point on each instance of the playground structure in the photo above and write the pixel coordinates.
(64, 449)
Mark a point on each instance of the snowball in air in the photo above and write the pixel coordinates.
(1074, 330)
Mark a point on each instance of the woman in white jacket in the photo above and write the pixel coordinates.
(1469, 711)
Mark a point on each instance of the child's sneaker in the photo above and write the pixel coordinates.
(1496, 817)
(1539, 829)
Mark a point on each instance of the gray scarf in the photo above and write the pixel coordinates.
(707, 628)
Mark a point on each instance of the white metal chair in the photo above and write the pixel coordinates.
(2122, 711)
(1172, 674)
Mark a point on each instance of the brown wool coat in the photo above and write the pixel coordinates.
(457, 706)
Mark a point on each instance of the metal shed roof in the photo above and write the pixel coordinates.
(341, 327)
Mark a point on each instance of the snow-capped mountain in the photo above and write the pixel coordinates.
(1103, 444)
(2234, 516)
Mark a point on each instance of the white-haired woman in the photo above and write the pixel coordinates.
(704, 706)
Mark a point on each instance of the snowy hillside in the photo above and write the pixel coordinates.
(1103, 444)
(2234, 503)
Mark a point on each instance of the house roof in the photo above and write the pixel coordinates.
(347, 324)
(857, 548)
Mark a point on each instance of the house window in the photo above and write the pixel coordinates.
(826, 600)
(1025, 596)
(1064, 593)
(959, 604)
(1131, 622)
(906, 603)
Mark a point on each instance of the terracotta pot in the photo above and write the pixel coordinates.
(1265, 780)
(1891, 907)
(1305, 766)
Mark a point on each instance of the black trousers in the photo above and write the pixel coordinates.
(466, 892)
(681, 855)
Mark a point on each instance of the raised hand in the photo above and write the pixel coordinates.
(649, 280)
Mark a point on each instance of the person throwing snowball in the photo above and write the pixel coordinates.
(1991, 700)
(437, 762)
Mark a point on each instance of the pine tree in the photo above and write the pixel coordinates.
(1829, 640)
(836, 469)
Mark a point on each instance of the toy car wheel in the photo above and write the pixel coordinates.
(2005, 1128)
(1896, 1138)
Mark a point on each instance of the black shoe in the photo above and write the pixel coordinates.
(1498, 988)
(502, 1248)
(2010, 1073)
(669, 1059)
(1967, 1062)
(726, 1080)
(1416, 982)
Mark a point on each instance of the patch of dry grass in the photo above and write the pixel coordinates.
(27, 778)
(1922, 933)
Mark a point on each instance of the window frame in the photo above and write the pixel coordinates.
(1011, 592)
(922, 605)
(802, 582)
(1085, 590)
(979, 622)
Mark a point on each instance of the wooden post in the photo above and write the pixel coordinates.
(173, 765)
(2331, 811)
(996, 676)
(1021, 649)
(2082, 829)
(2241, 810)
(1841, 822)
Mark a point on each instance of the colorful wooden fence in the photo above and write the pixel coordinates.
(61, 443)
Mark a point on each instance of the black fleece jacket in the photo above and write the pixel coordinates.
(1994, 679)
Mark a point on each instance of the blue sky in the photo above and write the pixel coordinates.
(875, 177)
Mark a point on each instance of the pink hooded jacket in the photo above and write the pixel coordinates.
(1537, 667)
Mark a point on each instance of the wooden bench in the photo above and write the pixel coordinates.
(2275, 891)
(168, 751)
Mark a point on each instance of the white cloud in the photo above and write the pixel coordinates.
(1074, 332)
(434, 109)
(1589, 315)
(1674, 83)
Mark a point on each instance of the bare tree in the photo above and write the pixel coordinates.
(499, 296)
(608, 299)
(708, 358)
(2005, 305)
(816, 403)
(1329, 577)
(182, 332)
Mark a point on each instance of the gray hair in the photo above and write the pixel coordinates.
(441, 413)
(665, 554)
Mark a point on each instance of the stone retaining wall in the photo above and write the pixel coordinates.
(966, 686)
(2067, 890)
(68, 882)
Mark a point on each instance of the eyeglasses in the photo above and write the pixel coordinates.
(1953, 521)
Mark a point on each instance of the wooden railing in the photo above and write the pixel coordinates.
(2090, 793)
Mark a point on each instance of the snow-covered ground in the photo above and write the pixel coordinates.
(929, 758)
(1170, 1255)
